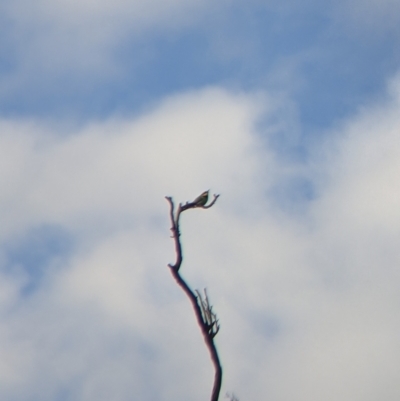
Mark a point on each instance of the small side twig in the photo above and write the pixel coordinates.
(232, 397)
(209, 317)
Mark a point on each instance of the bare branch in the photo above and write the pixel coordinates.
(175, 234)
(206, 318)
(212, 202)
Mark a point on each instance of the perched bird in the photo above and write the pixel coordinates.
(201, 200)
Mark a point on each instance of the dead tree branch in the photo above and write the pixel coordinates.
(206, 318)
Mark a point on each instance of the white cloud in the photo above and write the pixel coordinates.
(106, 185)
(190, 142)
(308, 305)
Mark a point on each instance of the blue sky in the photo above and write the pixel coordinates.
(327, 61)
(290, 110)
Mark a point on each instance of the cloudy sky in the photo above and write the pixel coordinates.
(289, 109)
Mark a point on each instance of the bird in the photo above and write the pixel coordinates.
(201, 200)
